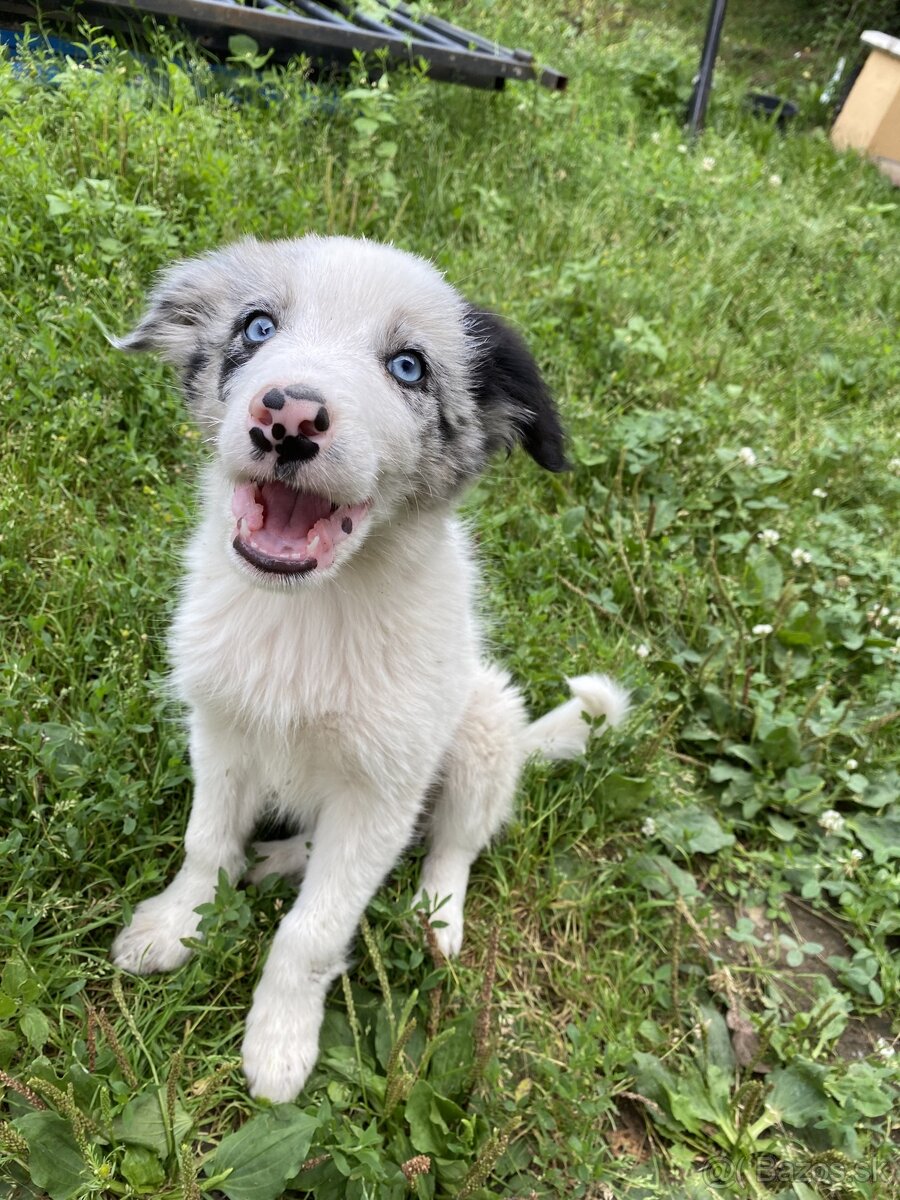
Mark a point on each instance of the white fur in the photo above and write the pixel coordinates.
(563, 733)
(342, 701)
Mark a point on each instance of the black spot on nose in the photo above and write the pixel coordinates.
(259, 439)
(347, 525)
(297, 449)
(274, 399)
(322, 420)
(298, 392)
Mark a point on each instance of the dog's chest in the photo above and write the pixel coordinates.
(361, 668)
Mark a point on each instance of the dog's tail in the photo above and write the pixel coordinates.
(563, 732)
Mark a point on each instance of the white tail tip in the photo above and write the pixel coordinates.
(601, 696)
(563, 732)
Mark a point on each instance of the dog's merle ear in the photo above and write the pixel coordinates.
(514, 402)
(180, 307)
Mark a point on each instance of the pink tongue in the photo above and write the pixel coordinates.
(290, 513)
(279, 518)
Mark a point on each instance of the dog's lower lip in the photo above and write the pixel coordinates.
(275, 566)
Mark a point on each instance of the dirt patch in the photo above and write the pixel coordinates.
(762, 964)
(629, 1138)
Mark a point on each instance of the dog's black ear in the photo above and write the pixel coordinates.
(513, 400)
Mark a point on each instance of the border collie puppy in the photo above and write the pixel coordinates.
(326, 643)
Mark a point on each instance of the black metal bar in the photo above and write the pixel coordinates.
(266, 5)
(464, 36)
(327, 29)
(361, 19)
(320, 12)
(307, 33)
(400, 20)
(703, 84)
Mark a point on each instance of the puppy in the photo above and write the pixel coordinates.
(326, 643)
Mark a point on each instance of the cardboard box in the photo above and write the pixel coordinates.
(870, 118)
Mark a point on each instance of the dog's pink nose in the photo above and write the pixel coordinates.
(292, 420)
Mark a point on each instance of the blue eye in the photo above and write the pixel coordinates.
(259, 328)
(407, 367)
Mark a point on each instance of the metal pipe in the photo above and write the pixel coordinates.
(703, 83)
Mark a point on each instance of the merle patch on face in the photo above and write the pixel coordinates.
(239, 351)
(448, 433)
(236, 355)
(197, 363)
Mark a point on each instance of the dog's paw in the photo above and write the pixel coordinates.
(445, 916)
(152, 942)
(287, 857)
(281, 1043)
(450, 936)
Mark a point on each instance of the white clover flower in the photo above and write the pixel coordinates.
(769, 537)
(747, 456)
(774, 181)
(895, 621)
(648, 829)
(682, 148)
(884, 1049)
(708, 163)
(642, 651)
(852, 764)
(762, 630)
(676, 440)
(850, 863)
(801, 558)
(655, 137)
(831, 821)
(819, 493)
(894, 466)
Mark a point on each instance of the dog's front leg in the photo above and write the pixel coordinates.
(222, 816)
(356, 842)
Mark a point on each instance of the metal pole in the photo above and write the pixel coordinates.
(700, 97)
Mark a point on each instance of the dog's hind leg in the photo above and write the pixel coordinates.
(481, 770)
(286, 857)
(475, 800)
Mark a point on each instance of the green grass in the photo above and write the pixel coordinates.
(686, 303)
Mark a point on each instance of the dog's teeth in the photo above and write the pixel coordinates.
(312, 547)
(244, 529)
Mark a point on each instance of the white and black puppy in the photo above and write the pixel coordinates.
(326, 642)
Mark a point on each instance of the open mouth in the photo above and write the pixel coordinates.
(285, 532)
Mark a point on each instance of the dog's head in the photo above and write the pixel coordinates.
(340, 381)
